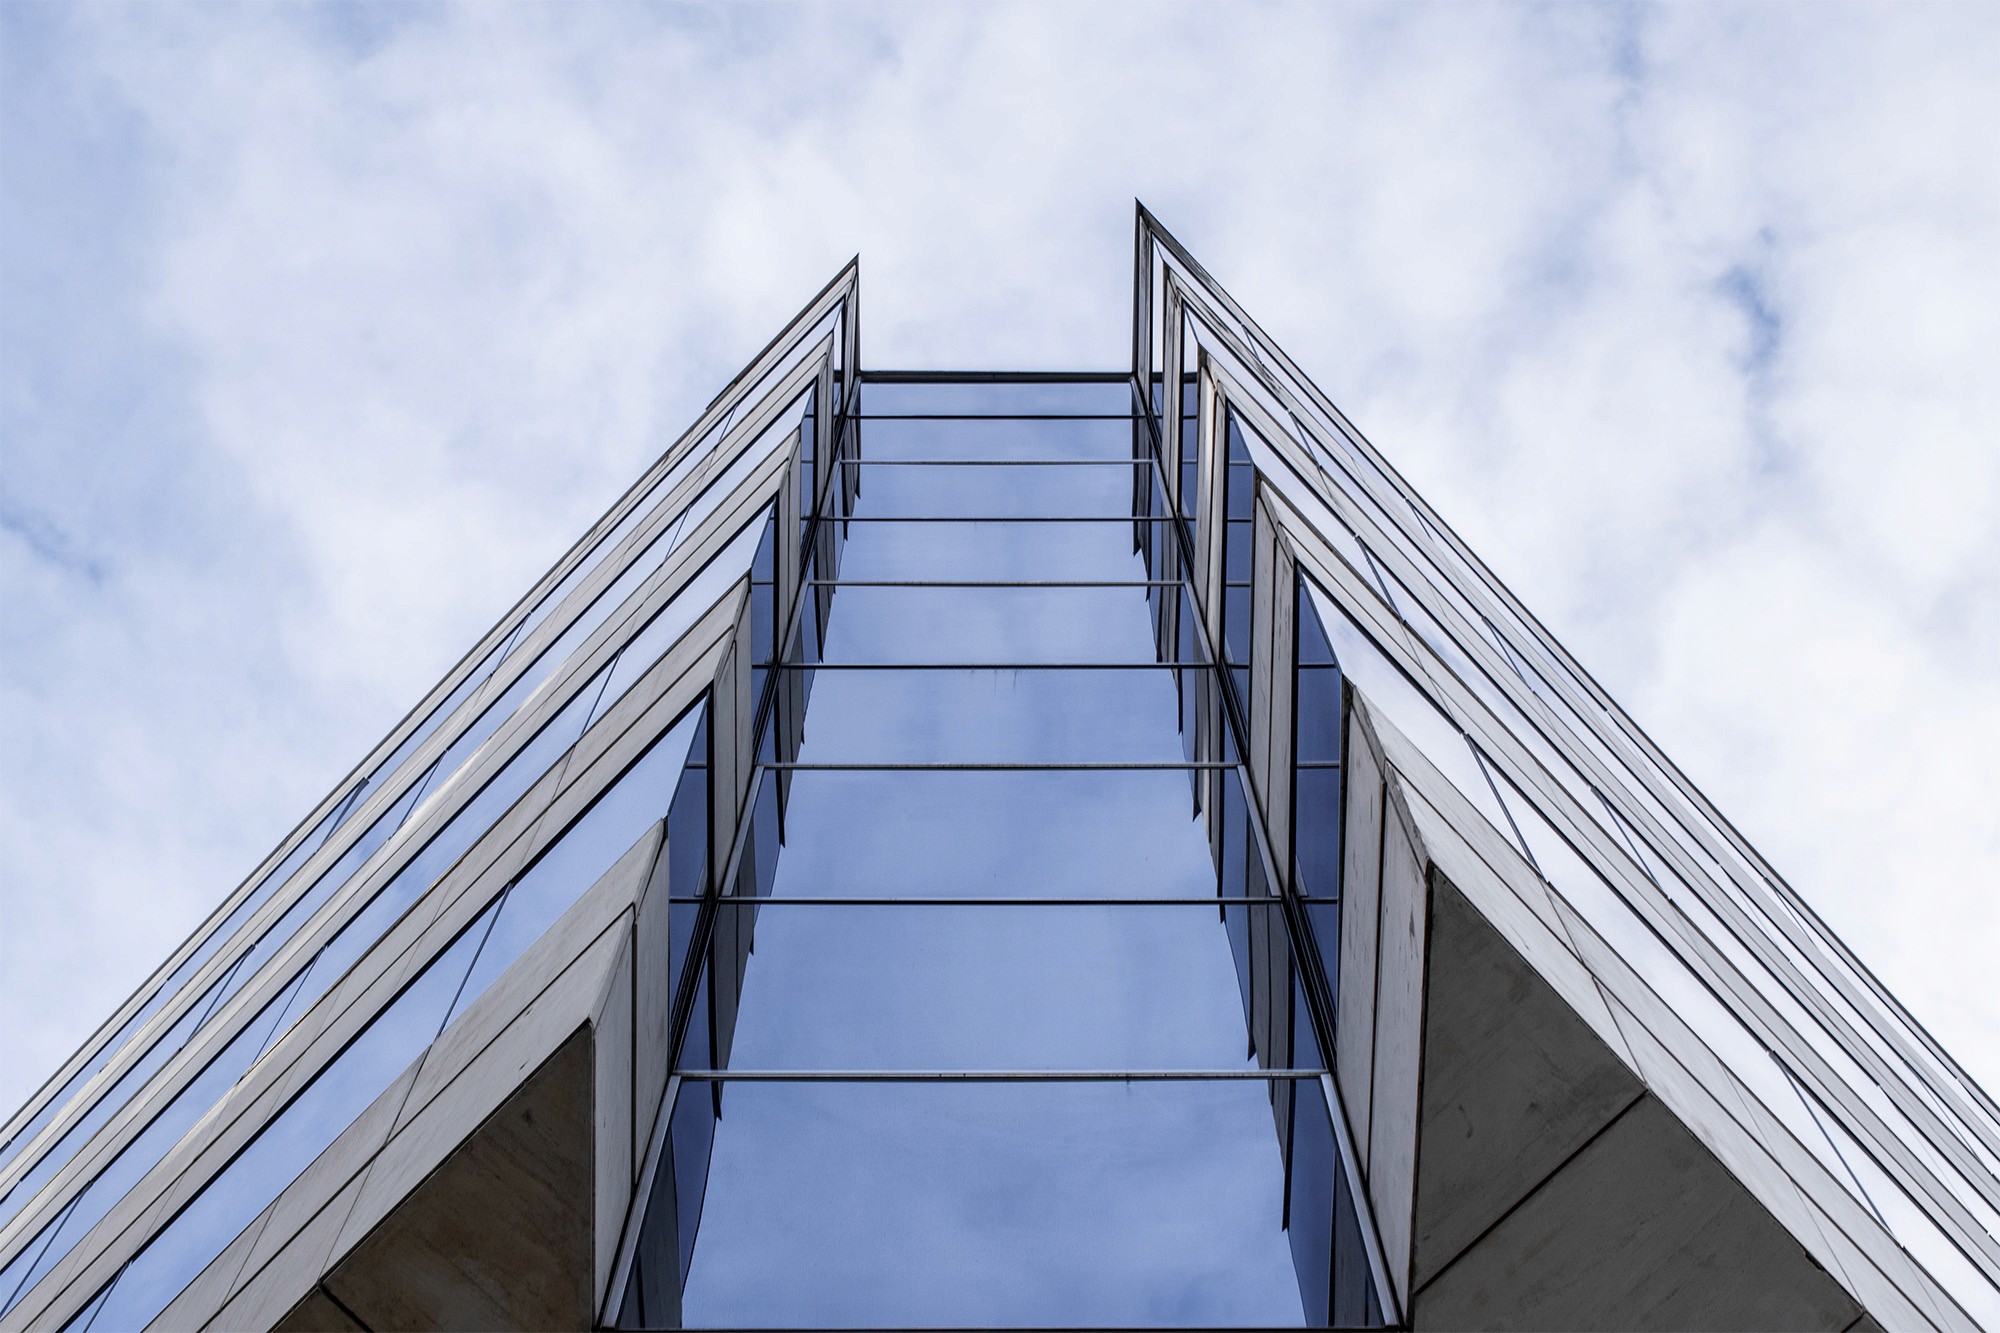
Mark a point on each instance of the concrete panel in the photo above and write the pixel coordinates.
(1278, 810)
(344, 1161)
(79, 1275)
(1263, 680)
(1519, 908)
(654, 1015)
(1716, 1110)
(532, 1013)
(1360, 922)
(1399, 1031)
(1759, 1151)
(1642, 1229)
(499, 1236)
(1495, 876)
(1513, 1082)
(211, 1286)
(317, 1314)
(270, 1286)
(612, 1096)
(577, 932)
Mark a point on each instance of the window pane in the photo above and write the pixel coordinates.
(991, 551)
(1039, 715)
(991, 625)
(993, 1204)
(1107, 833)
(989, 397)
(978, 987)
(1065, 489)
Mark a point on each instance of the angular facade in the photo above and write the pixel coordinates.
(997, 850)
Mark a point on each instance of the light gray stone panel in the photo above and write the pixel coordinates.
(211, 1287)
(530, 1006)
(1642, 1229)
(1278, 809)
(1399, 1031)
(1513, 1082)
(654, 1014)
(1263, 681)
(1517, 905)
(1360, 924)
(499, 1234)
(614, 1153)
(343, 1162)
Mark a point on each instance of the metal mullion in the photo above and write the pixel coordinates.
(995, 583)
(1003, 766)
(994, 416)
(997, 1075)
(926, 376)
(992, 462)
(994, 666)
(988, 901)
(1010, 518)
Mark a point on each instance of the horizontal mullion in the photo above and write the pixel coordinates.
(996, 462)
(994, 416)
(1004, 766)
(1009, 518)
(997, 583)
(987, 900)
(994, 666)
(994, 1075)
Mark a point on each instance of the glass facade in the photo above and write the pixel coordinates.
(998, 736)
(992, 1059)
(1650, 880)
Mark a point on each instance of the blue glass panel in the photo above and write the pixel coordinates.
(1236, 624)
(988, 625)
(691, 1131)
(146, 1149)
(1039, 715)
(134, 1078)
(688, 835)
(82, 1321)
(1002, 551)
(1311, 1185)
(808, 459)
(1232, 856)
(876, 1205)
(1408, 709)
(991, 440)
(834, 986)
(1115, 833)
(618, 818)
(11, 1285)
(459, 833)
(1078, 490)
(996, 397)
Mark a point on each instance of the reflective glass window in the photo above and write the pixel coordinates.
(1110, 396)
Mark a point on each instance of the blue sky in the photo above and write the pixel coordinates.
(323, 330)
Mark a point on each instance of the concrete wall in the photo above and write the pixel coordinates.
(1528, 1165)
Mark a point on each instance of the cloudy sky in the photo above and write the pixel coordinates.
(324, 329)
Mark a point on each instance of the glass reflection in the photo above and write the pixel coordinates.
(796, 977)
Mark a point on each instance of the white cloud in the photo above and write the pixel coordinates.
(388, 308)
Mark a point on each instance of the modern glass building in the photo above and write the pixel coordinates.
(995, 850)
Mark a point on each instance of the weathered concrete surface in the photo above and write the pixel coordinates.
(1514, 1082)
(1641, 1229)
(1522, 1165)
(499, 1236)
